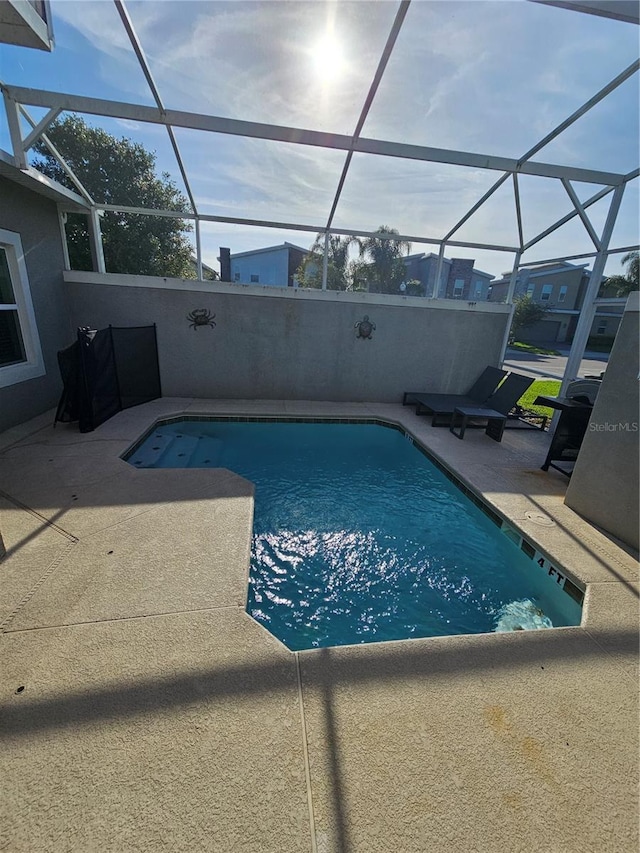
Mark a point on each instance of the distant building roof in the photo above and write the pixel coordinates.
(284, 245)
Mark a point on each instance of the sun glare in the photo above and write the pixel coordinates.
(328, 58)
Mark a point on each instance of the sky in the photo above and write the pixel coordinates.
(487, 76)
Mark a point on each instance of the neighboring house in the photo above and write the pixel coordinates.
(561, 288)
(275, 265)
(460, 279)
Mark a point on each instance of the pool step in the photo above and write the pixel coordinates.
(207, 454)
(150, 452)
(179, 453)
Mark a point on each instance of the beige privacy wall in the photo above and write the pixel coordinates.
(604, 484)
(280, 343)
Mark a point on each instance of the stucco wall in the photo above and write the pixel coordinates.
(604, 484)
(272, 343)
(35, 219)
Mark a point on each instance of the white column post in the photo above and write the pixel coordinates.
(588, 310)
(436, 283)
(15, 132)
(198, 251)
(325, 261)
(511, 290)
(95, 237)
(62, 219)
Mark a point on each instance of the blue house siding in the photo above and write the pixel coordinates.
(274, 266)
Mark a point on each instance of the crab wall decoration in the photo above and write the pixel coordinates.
(364, 328)
(200, 317)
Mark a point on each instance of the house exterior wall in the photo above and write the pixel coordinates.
(461, 270)
(35, 219)
(424, 268)
(271, 343)
(560, 322)
(272, 268)
(604, 484)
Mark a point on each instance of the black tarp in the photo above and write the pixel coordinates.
(105, 371)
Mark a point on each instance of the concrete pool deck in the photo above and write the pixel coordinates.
(143, 709)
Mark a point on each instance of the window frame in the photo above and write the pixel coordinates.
(546, 293)
(562, 294)
(33, 365)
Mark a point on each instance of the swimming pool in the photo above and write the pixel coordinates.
(359, 537)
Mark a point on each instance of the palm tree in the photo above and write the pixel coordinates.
(385, 255)
(624, 284)
(338, 278)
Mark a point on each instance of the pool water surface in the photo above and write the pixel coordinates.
(358, 537)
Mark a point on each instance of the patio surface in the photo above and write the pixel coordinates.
(142, 709)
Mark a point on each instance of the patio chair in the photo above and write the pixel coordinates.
(496, 409)
(443, 405)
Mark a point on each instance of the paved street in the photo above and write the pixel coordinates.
(553, 366)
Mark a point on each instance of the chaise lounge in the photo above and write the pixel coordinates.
(442, 406)
(494, 413)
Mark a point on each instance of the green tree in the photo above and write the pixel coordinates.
(385, 256)
(119, 171)
(525, 314)
(309, 273)
(622, 285)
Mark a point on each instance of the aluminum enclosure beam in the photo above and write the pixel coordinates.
(581, 213)
(384, 59)
(624, 249)
(587, 313)
(144, 65)
(15, 134)
(569, 216)
(66, 168)
(40, 128)
(298, 136)
(618, 10)
(292, 226)
(599, 96)
(509, 300)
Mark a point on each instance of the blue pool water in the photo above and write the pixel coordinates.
(358, 537)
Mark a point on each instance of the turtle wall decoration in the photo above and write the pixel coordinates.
(201, 317)
(364, 328)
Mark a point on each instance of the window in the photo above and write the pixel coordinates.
(236, 276)
(602, 327)
(530, 289)
(563, 293)
(478, 290)
(20, 353)
(458, 287)
(547, 290)
(255, 277)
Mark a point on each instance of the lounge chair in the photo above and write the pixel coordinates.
(494, 411)
(443, 405)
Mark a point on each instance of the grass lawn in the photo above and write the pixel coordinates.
(549, 387)
(532, 348)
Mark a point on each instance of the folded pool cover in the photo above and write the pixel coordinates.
(105, 371)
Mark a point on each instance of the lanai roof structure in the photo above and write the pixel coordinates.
(352, 169)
